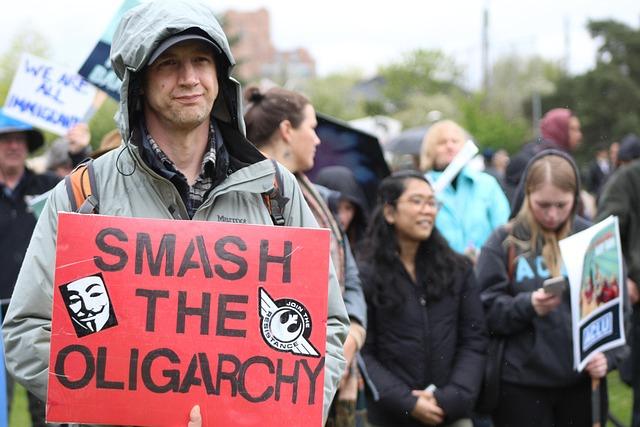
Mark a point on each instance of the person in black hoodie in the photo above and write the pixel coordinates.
(426, 339)
(349, 205)
(539, 386)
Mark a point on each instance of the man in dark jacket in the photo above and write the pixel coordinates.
(18, 186)
(599, 171)
(621, 197)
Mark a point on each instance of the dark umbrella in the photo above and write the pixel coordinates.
(408, 142)
(358, 151)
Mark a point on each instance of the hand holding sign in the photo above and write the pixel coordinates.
(79, 137)
(632, 289)
(597, 366)
(195, 419)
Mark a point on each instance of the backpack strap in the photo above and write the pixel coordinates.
(511, 260)
(274, 200)
(82, 189)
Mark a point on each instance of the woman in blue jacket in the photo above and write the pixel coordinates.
(473, 205)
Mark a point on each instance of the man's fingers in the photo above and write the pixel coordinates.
(195, 419)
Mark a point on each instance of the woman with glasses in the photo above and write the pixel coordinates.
(426, 340)
(538, 386)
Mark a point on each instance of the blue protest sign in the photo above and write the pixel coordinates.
(97, 67)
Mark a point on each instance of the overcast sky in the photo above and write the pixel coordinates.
(343, 34)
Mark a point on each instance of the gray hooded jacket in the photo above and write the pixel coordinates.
(127, 186)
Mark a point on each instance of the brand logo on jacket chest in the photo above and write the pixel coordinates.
(222, 218)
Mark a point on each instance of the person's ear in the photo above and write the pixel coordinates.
(285, 128)
(389, 213)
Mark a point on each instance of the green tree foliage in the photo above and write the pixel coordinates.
(514, 79)
(606, 98)
(420, 72)
(418, 106)
(333, 95)
(102, 121)
(620, 47)
(492, 129)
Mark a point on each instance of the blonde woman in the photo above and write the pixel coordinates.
(539, 386)
(473, 205)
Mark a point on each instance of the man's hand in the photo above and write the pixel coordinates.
(632, 288)
(597, 367)
(350, 347)
(427, 410)
(195, 419)
(78, 137)
(544, 303)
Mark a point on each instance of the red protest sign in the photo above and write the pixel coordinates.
(151, 317)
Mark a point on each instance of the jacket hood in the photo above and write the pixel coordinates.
(141, 31)
(344, 185)
(629, 148)
(341, 179)
(518, 196)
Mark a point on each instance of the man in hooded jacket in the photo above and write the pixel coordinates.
(185, 157)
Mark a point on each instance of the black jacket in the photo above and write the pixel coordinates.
(621, 197)
(424, 342)
(17, 224)
(538, 350)
(342, 180)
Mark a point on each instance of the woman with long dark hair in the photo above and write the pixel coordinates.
(426, 340)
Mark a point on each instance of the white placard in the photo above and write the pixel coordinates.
(593, 262)
(48, 96)
(469, 149)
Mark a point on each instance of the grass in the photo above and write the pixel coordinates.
(620, 399)
(620, 402)
(19, 415)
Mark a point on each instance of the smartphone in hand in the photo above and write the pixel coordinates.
(555, 285)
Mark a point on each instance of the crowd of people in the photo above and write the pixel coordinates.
(420, 286)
